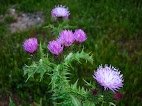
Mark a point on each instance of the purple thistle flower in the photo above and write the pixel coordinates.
(30, 45)
(109, 77)
(55, 47)
(66, 37)
(117, 96)
(60, 11)
(80, 35)
(60, 40)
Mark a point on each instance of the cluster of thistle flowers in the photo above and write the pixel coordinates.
(107, 76)
(66, 38)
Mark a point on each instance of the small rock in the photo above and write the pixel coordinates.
(38, 18)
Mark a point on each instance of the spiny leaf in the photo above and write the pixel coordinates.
(69, 56)
(86, 56)
(30, 75)
(42, 73)
(49, 26)
(41, 51)
(77, 91)
(88, 103)
(75, 101)
(40, 67)
(68, 26)
(89, 84)
(11, 102)
(30, 70)
(77, 56)
(111, 104)
(75, 85)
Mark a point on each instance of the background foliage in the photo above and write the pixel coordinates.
(114, 36)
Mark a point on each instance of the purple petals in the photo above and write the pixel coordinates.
(60, 11)
(30, 45)
(80, 35)
(55, 47)
(109, 77)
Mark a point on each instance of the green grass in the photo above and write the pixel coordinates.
(114, 36)
(9, 19)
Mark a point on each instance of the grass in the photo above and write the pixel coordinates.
(114, 36)
(9, 19)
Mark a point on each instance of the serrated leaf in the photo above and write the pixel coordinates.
(30, 74)
(86, 56)
(75, 101)
(89, 84)
(11, 103)
(42, 74)
(41, 51)
(77, 56)
(111, 104)
(75, 85)
(89, 103)
(69, 56)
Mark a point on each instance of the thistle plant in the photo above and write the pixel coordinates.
(64, 93)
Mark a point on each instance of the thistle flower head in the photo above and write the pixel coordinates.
(66, 37)
(80, 35)
(109, 77)
(60, 11)
(30, 45)
(55, 47)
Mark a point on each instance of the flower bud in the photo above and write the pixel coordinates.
(94, 92)
(117, 96)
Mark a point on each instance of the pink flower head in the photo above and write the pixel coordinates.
(60, 40)
(60, 11)
(117, 96)
(80, 35)
(55, 47)
(109, 77)
(66, 37)
(30, 45)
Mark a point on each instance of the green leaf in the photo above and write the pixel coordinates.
(69, 57)
(78, 91)
(86, 56)
(77, 56)
(111, 104)
(89, 84)
(75, 101)
(74, 86)
(89, 103)
(30, 70)
(41, 51)
(11, 102)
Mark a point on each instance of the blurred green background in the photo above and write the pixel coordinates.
(114, 31)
